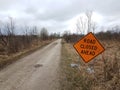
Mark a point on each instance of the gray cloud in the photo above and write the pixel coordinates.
(55, 13)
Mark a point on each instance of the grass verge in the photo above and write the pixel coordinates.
(6, 60)
(72, 78)
(106, 75)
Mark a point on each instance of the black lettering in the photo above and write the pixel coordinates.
(86, 52)
(89, 41)
(90, 47)
(92, 53)
(93, 41)
(85, 40)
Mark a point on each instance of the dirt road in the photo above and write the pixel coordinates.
(37, 71)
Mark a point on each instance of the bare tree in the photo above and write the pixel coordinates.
(3, 40)
(81, 25)
(89, 17)
(10, 27)
(9, 30)
(93, 26)
(85, 24)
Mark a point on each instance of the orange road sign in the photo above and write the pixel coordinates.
(88, 47)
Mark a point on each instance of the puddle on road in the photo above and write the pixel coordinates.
(38, 65)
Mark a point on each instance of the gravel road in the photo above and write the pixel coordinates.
(37, 71)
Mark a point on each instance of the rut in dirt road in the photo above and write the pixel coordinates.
(37, 71)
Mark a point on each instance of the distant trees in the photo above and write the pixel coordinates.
(108, 35)
(71, 38)
(44, 34)
(66, 36)
(8, 36)
(111, 34)
(12, 42)
(84, 25)
(54, 36)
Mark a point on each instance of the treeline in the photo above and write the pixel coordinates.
(71, 38)
(11, 42)
(109, 35)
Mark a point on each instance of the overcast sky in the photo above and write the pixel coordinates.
(59, 15)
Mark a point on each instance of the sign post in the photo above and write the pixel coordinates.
(88, 47)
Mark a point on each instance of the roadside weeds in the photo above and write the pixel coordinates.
(6, 60)
(106, 69)
(71, 78)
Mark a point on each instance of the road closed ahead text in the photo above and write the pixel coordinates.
(88, 47)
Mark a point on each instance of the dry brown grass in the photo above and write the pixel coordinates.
(106, 67)
(8, 59)
(72, 78)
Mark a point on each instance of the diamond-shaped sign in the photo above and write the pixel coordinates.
(88, 47)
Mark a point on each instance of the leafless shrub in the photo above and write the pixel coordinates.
(12, 42)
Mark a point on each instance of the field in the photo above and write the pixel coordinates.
(102, 73)
(6, 59)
